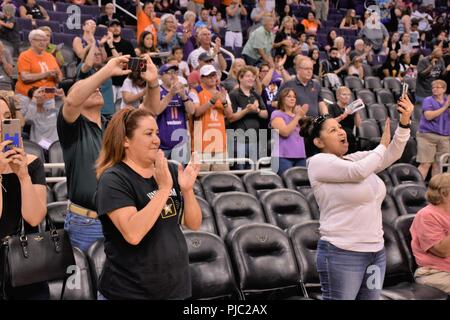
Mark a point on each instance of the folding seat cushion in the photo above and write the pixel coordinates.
(296, 178)
(219, 182)
(409, 198)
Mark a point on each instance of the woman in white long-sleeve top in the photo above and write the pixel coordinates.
(350, 259)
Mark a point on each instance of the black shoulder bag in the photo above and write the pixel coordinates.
(38, 257)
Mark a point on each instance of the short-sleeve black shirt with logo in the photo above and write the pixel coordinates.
(156, 268)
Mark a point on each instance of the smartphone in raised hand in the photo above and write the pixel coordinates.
(137, 64)
(405, 88)
(12, 131)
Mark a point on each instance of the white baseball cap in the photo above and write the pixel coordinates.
(206, 70)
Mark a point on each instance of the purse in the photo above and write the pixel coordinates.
(38, 257)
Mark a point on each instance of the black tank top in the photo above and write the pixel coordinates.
(35, 12)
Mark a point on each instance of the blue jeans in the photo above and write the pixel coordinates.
(245, 150)
(286, 163)
(350, 275)
(83, 231)
(100, 296)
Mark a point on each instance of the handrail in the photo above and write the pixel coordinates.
(444, 162)
(121, 8)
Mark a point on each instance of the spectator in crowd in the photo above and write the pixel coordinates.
(23, 196)
(350, 195)
(147, 19)
(109, 15)
(42, 119)
(168, 37)
(331, 36)
(183, 67)
(36, 68)
(9, 30)
(218, 23)
(433, 136)
(53, 49)
(314, 55)
(400, 20)
(133, 90)
(188, 28)
(211, 109)
(363, 51)
(414, 34)
(285, 43)
(407, 69)
(92, 63)
(306, 90)
(349, 21)
(248, 110)
(429, 69)
(118, 47)
(311, 24)
(172, 115)
(257, 14)
(311, 44)
(142, 201)
(374, 33)
(394, 42)
(147, 46)
(391, 68)
(231, 82)
(235, 12)
(6, 68)
(259, 45)
(288, 148)
(346, 120)
(343, 51)
(440, 41)
(80, 44)
(334, 68)
(174, 62)
(80, 130)
(31, 10)
(165, 6)
(430, 233)
(204, 20)
(204, 39)
(405, 44)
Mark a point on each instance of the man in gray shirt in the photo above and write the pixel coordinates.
(233, 36)
(429, 69)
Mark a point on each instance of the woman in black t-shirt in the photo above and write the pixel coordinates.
(141, 202)
(23, 195)
(346, 120)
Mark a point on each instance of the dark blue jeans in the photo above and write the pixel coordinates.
(350, 275)
(282, 164)
(83, 231)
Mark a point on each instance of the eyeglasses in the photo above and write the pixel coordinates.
(437, 87)
(305, 68)
(39, 40)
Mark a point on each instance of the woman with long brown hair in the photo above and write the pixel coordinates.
(141, 201)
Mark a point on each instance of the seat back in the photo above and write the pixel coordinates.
(367, 96)
(34, 149)
(353, 83)
(378, 112)
(305, 237)
(55, 155)
(220, 182)
(57, 212)
(198, 189)
(326, 93)
(296, 178)
(60, 191)
(372, 83)
(384, 175)
(210, 267)
(402, 226)
(389, 210)
(96, 257)
(259, 182)
(79, 284)
(392, 84)
(263, 258)
(405, 173)
(208, 223)
(409, 198)
(385, 96)
(233, 209)
(285, 208)
(313, 206)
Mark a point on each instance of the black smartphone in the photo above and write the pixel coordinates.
(137, 64)
(12, 131)
(50, 90)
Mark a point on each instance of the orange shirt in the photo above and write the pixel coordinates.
(199, 1)
(226, 2)
(31, 62)
(144, 22)
(208, 130)
(310, 27)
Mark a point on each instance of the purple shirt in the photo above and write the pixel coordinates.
(171, 119)
(439, 125)
(290, 147)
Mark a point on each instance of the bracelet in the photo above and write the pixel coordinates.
(186, 100)
(212, 102)
(404, 126)
(112, 48)
(153, 86)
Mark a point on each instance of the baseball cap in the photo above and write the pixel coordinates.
(166, 67)
(207, 70)
(113, 22)
(205, 57)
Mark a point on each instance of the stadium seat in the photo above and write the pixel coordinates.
(198, 189)
(326, 93)
(409, 198)
(57, 212)
(367, 96)
(93, 11)
(235, 208)
(353, 83)
(208, 223)
(61, 17)
(405, 173)
(47, 5)
(259, 182)
(384, 175)
(79, 284)
(55, 155)
(389, 210)
(393, 84)
(327, 83)
(219, 182)
(96, 257)
(264, 261)
(378, 112)
(411, 84)
(410, 152)
(24, 24)
(210, 267)
(313, 206)
(285, 208)
(399, 282)
(368, 134)
(392, 110)
(402, 225)
(60, 191)
(384, 96)
(305, 237)
(296, 178)
(33, 148)
(54, 25)
(65, 38)
(372, 83)
(363, 114)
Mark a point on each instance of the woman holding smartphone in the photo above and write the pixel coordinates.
(23, 195)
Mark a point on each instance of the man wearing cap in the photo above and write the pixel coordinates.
(208, 130)
(119, 47)
(172, 113)
(203, 59)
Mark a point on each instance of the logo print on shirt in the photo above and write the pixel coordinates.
(43, 65)
(169, 209)
(213, 115)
